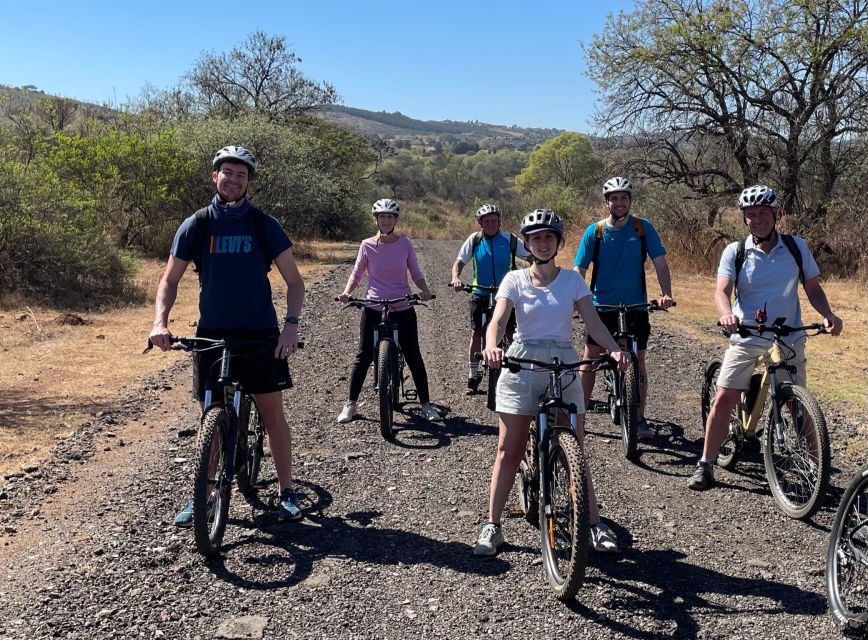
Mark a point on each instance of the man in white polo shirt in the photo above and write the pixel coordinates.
(764, 270)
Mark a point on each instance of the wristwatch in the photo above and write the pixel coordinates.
(291, 319)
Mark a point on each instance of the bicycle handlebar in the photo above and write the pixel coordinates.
(471, 288)
(643, 306)
(181, 343)
(777, 328)
(514, 364)
(412, 298)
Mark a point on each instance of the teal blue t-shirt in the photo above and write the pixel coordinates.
(620, 263)
(234, 291)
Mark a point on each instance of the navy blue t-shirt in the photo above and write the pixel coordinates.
(234, 291)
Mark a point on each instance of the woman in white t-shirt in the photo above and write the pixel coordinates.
(544, 297)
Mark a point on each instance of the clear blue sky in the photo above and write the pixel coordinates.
(507, 62)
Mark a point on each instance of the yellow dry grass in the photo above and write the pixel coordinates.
(54, 377)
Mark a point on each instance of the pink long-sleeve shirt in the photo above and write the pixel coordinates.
(386, 265)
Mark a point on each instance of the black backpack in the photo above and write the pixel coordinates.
(202, 226)
(789, 243)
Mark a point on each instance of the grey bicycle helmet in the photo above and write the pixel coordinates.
(385, 205)
(542, 220)
(613, 185)
(235, 153)
(759, 194)
(485, 209)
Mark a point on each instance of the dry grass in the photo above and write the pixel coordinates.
(56, 376)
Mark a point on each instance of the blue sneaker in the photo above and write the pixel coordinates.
(289, 509)
(184, 518)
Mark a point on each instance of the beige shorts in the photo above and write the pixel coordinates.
(740, 361)
(519, 393)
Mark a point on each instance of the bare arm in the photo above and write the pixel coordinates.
(167, 293)
(457, 268)
(287, 343)
(664, 277)
(818, 300)
(723, 302)
(493, 355)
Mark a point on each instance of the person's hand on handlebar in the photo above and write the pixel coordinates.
(161, 337)
(834, 324)
(493, 357)
(729, 322)
(622, 359)
(456, 284)
(344, 297)
(664, 302)
(425, 294)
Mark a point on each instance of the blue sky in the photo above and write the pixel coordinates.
(501, 62)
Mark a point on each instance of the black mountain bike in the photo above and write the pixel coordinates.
(795, 442)
(552, 477)
(492, 375)
(231, 440)
(622, 389)
(847, 559)
(388, 359)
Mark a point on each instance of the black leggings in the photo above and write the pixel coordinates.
(408, 338)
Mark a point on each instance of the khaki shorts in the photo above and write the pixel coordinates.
(740, 361)
(519, 393)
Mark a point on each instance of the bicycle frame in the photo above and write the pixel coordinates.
(750, 409)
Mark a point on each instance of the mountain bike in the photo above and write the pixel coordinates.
(622, 389)
(795, 440)
(230, 441)
(492, 375)
(388, 359)
(552, 477)
(847, 559)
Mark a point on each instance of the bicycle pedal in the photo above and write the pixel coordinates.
(598, 406)
(410, 395)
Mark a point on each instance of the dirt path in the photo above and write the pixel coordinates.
(88, 549)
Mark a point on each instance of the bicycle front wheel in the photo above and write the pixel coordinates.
(797, 453)
(564, 527)
(212, 486)
(384, 388)
(628, 415)
(847, 559)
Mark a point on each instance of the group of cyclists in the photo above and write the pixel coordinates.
(232, 245)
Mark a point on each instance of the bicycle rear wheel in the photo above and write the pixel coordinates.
(797, 453)
(384, 388)
(528, 481)
(847, 559)
(253, 443)
(212, 486)
(564, 527)
(730, 451)
(628, 414)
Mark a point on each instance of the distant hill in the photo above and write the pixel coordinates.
(67, 110)
(398, 126)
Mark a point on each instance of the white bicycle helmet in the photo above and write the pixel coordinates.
(385, 205)
(613, 185)
(542, 220)
(759, 194)
(236, 154)
(485, 209)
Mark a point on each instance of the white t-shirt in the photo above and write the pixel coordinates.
(544, 313)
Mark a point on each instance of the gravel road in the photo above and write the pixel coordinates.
(88, 549)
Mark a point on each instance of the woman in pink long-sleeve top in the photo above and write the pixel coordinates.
(387, 257)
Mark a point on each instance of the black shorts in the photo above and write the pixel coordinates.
(255, 366)
(478, 306)
(637, 324)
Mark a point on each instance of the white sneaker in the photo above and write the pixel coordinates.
(347, 413)
(430, 412)
(490, 538)
(602, 539)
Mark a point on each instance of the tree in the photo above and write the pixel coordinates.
(720, 94)
(559, 173)
(261, 76)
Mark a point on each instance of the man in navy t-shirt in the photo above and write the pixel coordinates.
(619, 278)
(232, 245)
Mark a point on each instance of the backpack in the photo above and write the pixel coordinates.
(598, 238)
(202, 226)
(513, 247)
(789, 243)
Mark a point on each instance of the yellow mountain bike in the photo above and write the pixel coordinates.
(795, 441)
